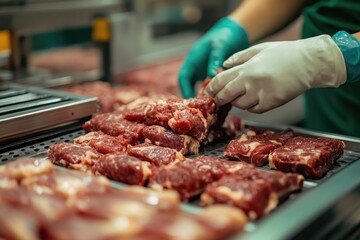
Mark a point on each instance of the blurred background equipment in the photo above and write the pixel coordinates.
(28, 27)
(62, 44)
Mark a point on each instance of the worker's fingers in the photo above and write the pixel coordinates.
(258, 109)
(220, 80)
(229, 92)
(246, 101)
(245, 55)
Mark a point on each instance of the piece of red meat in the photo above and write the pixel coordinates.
(255, 148)
(190, 177)
(114, 124)
(230, 128)
(25, 167)
(102, 142)
(123, 168)
(67, 184)
(311, 157)
(254, 197)
(156, 155)
(73, 156)
(171, 114)
(161, 136)
(281, 183)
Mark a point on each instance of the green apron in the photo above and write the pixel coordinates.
(335, 110)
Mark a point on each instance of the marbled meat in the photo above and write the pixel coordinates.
(73, 156)
(156, 155)
(161, 136)
(255, 148)
(190, 177)
(102, 142)
(114, 124)
(254, 197)
(311, 157)
(123, 168)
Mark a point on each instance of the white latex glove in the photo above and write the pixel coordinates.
(268, 75)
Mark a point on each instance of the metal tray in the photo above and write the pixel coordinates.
(328, 208)
(25, 109)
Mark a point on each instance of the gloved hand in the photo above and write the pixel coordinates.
(350, 48)
(225, 38)
(270, 74)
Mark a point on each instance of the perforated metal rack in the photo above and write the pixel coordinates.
(25, 110)
(328, 208)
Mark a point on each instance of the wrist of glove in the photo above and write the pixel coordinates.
(350, 48)
(225, 38)
(268, 75)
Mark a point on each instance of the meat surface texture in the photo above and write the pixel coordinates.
(123, 168)
(25, 167)
(73, 156)
(114, 124)
(73, 205)
(174, 115)
(255, 191)
(255, 197)
(255, 148)
(7, 182)
(161, 136)
(281, 183)
(102, 142)
(190, 177)
(156, 155)
(231, 127)
(311, 157)
(68, 184)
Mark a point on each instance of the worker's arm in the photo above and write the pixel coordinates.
(252, 20)
(263, 17)
(270, 74)
(357, 35)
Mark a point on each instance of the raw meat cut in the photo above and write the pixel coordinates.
(206, 105)
(175, 115)
(45, 207)
(73, 156)
(190, 177)
(138, 221)
(254, 197)
(90, 228)
(123, 168)
(68, 184)
(161, 136)
(215, 222)
(156, 155)
(18, 223)
(311, 157)
(72, 205)
(114, 124)
(26, 167)
(255, 148)
(230, 128)
(163, 201)
(282, 183)
(102, 142)
(222, 111)
(7, 181)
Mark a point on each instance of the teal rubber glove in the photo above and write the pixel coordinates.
(225, 38)
(350, 48)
